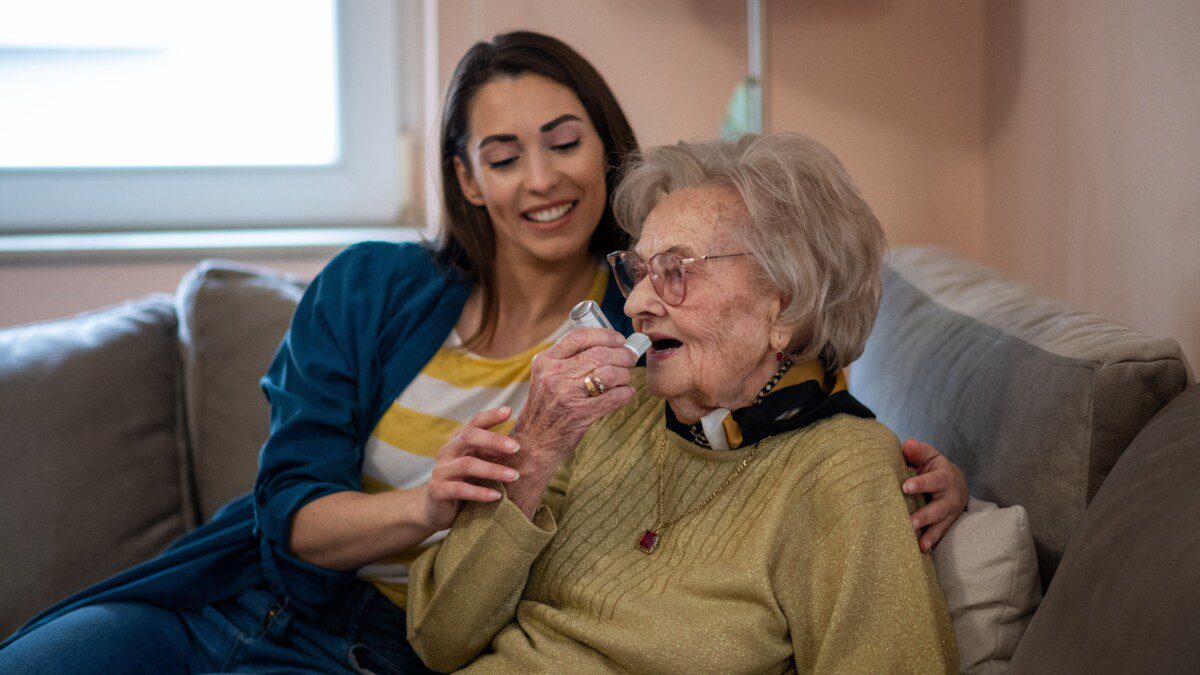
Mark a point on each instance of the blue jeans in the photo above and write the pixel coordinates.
(252, 632)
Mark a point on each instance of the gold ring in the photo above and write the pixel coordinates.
(595, 386)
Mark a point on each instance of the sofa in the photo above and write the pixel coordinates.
(123, 428)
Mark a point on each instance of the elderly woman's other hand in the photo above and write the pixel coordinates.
(581, 378)
(945, 486)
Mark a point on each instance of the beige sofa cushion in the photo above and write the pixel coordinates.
(1034, 399)
(91, 451)
(1127, 596)
(987, 569)
(232, 319)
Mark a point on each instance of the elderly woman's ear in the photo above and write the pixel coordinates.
(782, 332)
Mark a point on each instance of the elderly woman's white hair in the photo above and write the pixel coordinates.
(808, 227)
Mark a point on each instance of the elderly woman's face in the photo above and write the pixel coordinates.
(713, 349)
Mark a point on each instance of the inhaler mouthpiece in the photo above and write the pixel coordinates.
(637, 343)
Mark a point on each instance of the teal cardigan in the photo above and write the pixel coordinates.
(365, 327)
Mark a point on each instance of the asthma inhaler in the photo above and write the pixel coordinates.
(587, 314)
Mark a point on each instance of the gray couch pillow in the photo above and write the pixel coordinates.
(1034, 399)
(91, 451)
(232, 318)
(1127, 596)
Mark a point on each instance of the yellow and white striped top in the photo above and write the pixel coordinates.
(448, 391)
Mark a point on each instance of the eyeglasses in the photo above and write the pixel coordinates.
(668, 272)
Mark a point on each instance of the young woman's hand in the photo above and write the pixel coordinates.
(943, 483)
(468, 456)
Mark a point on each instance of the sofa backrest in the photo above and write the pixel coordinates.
(232, 317)
(93, 459)
(1033, 399)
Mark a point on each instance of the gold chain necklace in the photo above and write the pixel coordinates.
(650, 539)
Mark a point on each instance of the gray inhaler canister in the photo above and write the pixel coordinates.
(587, 314)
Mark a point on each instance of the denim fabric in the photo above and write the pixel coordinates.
(379, 629)
(112, 638)
(252, 632)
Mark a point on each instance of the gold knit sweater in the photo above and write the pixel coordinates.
(805, 562)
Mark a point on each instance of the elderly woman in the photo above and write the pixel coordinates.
(734, 509)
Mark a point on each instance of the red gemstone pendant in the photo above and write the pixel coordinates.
(648, 542)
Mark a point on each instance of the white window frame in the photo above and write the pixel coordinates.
(363, 188)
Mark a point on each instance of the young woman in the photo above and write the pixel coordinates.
(377, 435)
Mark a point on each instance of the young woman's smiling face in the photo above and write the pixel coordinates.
(536, 164)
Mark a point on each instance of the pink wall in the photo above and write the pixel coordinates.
(894, 89)
(1092, 147)
(671, 63)
(42, 291)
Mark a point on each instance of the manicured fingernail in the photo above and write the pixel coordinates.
(504, 410)
(916, 525)
(908, 488)
(494, 496)
(511, 475)
(512, 445)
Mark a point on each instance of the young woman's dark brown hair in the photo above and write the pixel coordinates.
(467, 240)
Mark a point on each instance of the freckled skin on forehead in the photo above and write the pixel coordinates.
(701, 221)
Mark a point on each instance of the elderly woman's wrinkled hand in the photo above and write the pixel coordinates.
(563, 404)
(463, 458)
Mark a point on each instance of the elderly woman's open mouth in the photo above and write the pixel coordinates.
(662, 346)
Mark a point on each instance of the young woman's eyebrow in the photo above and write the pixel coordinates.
(557, 121)
(497, 138)
(511, 138)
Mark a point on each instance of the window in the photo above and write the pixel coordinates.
(192, 113)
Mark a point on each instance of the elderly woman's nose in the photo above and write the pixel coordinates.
(643, 300)
(542, 173)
